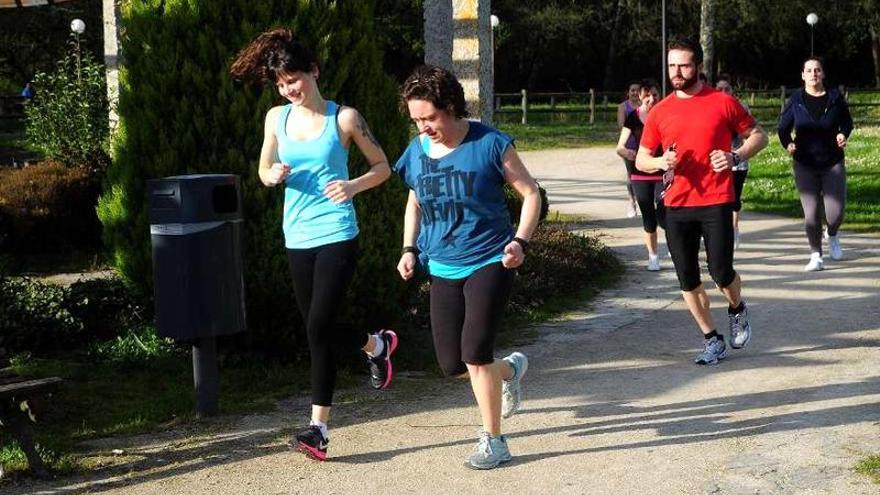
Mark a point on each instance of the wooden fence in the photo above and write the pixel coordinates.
(594, 107)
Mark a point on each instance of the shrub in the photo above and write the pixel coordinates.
(106, 308)
(33, 316)
(67, 119)
(514, 203)
(48, 208)
(42, 318)
(180, 112)
(560, 265)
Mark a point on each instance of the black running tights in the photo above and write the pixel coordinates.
(321, 276)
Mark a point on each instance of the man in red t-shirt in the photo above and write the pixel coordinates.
(695, 126)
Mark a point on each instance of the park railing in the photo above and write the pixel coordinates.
(600, 108)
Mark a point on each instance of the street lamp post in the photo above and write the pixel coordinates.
(663, 41)
(812, 19)
(78, 27)
(494, 21)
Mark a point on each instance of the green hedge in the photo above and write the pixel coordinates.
(181, 113)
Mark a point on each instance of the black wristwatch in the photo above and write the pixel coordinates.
(736, 158)
(524, 244)
(409, 249)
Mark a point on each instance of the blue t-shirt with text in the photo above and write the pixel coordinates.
(465, 223)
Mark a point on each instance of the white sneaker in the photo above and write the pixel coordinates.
(815, 263)
(834, 245)
(653, 263)
(631, 211)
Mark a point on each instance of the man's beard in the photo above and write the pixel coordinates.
(687, 84)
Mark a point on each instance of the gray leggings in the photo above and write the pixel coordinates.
(828, 185)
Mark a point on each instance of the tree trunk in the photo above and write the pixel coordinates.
(608, 81)
(707, 28)
(875, 51)
(438, 33)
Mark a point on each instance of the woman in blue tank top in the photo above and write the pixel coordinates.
(457, 217)
(305, 148)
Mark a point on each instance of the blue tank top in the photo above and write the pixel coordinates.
(465, 223)
(310, 219)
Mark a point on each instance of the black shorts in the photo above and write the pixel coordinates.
(685, 226)
(465, 316)
(739, 180)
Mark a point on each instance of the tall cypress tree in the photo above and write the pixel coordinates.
(181, 113)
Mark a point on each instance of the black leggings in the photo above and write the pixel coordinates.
(684, 227)
(650, 204)
(320, 280)
(466, 314)
(739, 181)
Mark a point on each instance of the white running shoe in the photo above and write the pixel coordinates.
(631, 211)
(653, 263)
(511, 390)
(815, 264)
(834, 245)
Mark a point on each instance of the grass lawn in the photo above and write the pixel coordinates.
(870, 466)
(770, 186)
(533, 137)
(99, 399)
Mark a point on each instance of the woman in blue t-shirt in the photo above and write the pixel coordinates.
(457, 218)
(305, 147)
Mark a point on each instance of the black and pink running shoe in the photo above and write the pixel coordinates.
(381, 370)
(311, 442)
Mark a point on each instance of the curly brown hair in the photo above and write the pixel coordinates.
(437, 85)
(271, 54)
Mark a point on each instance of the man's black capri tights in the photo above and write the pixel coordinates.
(685, 226)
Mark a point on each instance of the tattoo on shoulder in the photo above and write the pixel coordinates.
(365, 130)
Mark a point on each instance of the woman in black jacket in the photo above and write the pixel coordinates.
(822, 124)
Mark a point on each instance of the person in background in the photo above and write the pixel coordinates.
(28, 91)
(740, 170)
(822, 123)
(626, 107)
(647, 186)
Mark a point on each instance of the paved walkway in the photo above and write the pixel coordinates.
(613, 403)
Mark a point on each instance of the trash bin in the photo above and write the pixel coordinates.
(195, 229)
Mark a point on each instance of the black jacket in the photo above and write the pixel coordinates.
(816, 141)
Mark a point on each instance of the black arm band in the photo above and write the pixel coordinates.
(524, 244)
(409, 249)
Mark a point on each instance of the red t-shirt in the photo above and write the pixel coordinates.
(697, 125)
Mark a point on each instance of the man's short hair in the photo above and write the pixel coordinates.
(686, 44)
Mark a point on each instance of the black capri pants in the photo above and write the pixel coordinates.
(650, 204)
(739, 181)
(685, 225)
(466, 314)
(321, 276)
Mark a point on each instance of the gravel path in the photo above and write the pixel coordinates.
(613, 405)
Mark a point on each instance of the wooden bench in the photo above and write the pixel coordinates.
(19, 401)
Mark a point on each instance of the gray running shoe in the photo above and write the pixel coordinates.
(511, 390)
(740, 329)
(489, 452)
(713, 351)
